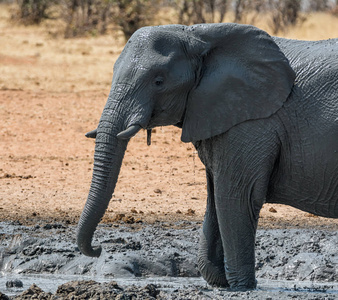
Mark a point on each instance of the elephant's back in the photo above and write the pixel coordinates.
(315, 92)
(315, 64)
(307, 58)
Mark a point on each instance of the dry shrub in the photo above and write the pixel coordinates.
(200, 11)
(132, 15)
(334, 9)
(318, 5)
(285, 13)
(281, 14)
(247, 11)
(86, 16)
(94, 16)
(32, 11)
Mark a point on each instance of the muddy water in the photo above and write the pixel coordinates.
(50, 282)
(292, 262)
(172, 285)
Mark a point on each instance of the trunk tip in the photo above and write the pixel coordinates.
(89, 251)
(85, 247)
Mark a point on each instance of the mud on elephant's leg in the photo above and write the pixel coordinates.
(210, 254)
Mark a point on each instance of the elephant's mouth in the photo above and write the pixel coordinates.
(164, 117)
(158, 118)
(154, 119)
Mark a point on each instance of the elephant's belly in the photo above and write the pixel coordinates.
(309, 195)
(307, 175)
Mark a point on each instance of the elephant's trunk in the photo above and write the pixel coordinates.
(109, 152)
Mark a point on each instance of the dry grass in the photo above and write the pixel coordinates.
(31, 59)
(317, 26)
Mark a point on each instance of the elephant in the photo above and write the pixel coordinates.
(262, 113)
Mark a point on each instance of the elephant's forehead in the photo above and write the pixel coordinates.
(144, 59)
(150, 41)
(139, 60)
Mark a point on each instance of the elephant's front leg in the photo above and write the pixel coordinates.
(238, 229)
(240, 192)
(240, 164)
(210, 254)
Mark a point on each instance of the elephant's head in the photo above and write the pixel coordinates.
(203, 78)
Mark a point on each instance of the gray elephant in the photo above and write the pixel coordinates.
(262, 113)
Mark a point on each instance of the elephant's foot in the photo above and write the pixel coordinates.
(243, 279)
(215, 276)
(212, 274)
(240, 289)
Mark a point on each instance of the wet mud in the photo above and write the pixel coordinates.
(158, 261)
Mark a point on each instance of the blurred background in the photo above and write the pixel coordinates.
(56, 67)
(72, 31)
(96, 17)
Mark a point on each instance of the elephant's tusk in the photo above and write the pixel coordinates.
(91, 134)
(148, 137)
(129, 132)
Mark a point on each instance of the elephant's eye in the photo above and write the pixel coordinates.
(159, 81)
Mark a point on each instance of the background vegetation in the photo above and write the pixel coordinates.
(82, 17)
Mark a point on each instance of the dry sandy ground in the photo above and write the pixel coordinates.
(52, 91)
(46, 166)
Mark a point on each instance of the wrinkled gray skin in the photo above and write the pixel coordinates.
(262, 113)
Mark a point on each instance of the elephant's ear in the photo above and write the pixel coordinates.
(244, 76)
